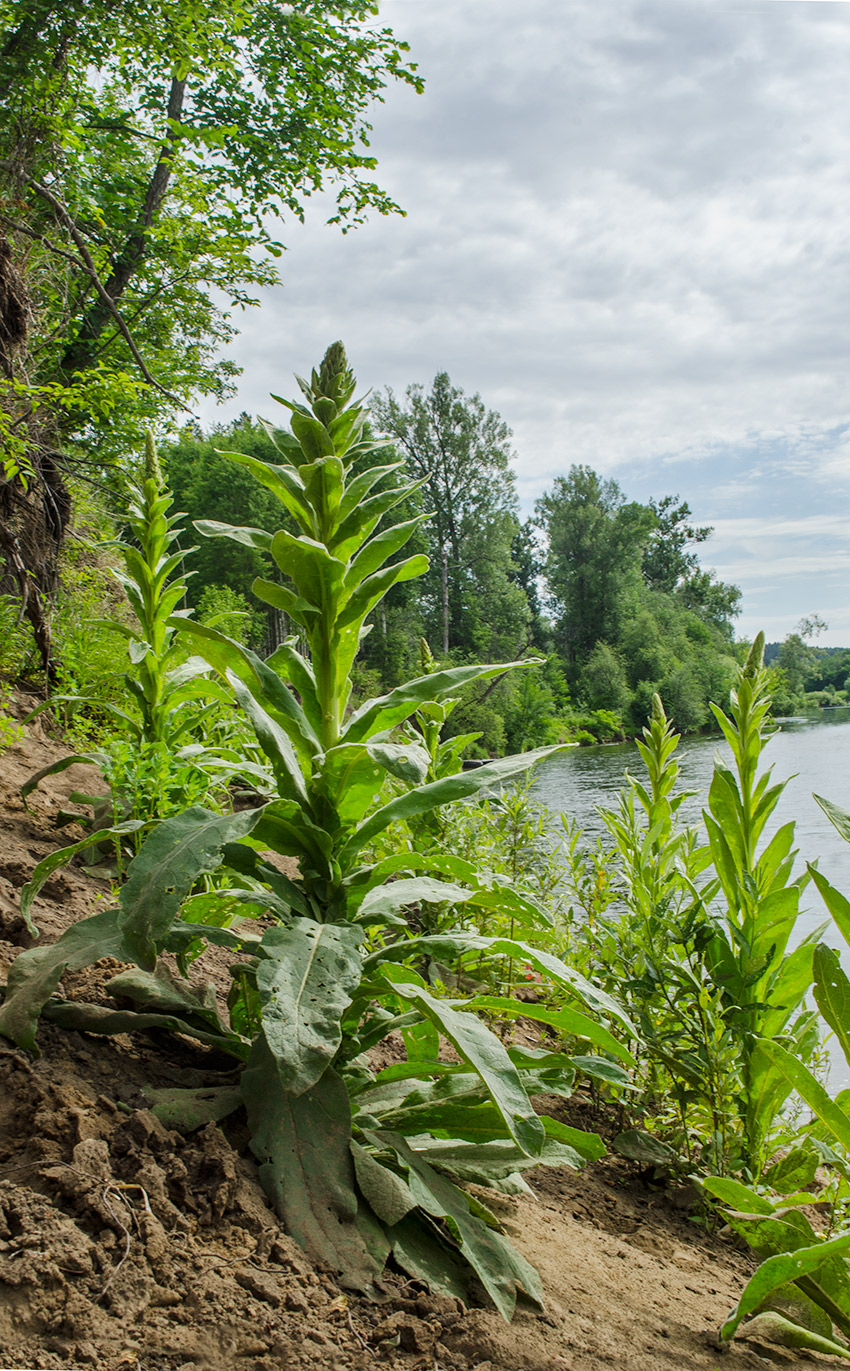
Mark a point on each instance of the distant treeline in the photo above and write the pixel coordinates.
(608, 593)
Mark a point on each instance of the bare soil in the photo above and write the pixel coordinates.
(126, 1247)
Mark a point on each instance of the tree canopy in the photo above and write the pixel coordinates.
(148, 152)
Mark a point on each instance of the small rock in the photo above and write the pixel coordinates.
(259, 1283)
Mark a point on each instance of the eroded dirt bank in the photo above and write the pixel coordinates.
(125, 1245)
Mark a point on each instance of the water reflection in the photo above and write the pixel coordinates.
(812, 751)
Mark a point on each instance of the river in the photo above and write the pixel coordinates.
(813, 751)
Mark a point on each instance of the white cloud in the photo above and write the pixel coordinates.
(627, 229)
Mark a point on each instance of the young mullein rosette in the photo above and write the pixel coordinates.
(171, 694)
(344, 1159)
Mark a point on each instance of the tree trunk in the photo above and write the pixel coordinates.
(444, 579)
(80, 354)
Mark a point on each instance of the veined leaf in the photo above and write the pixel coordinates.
(98, 759)
(446, 946)
(832, 994)
(35, 974)
(427, 797)
(256, 538)
(166, 867)
(809, 1089)
(383, 900)
(226, 655)
(837, 904)
(95, 1018)
(498, 1266)
(569, 1022)
(282, 481)
(838, 817)
(302, 1143)
(190, 1109)
(484, 1053)
(385, 712)
(61, 857)
(306, 979)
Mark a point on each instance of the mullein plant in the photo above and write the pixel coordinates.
(800, 1295)
(153, 760)
(359, 1167)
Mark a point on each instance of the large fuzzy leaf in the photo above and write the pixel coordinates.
(447, 947)
(85, 758)
(498, 1266)
(166, 867)
(275, 743)
(424, 798)
(385, 712)
(270, 692)
(384, 901)
(306, 978)
(256, 538)
(95, 1018)
(36, 973)
(837, 904)
(809, 1089)
(302, 1143)
(832, 994)
(569, 1022)
(838, 817)
(484, 1053)
(190, 1109)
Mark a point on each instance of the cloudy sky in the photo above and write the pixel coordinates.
(627, 229)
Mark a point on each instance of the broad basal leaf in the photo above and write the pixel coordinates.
(302, 1143)
(36, 973)
(306, 978)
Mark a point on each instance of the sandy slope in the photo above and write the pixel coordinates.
(123, 1245)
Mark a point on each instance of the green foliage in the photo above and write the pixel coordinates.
(346, 1162)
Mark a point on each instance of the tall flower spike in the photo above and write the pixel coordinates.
(153, 471)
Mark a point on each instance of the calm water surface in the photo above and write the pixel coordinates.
(814, 751)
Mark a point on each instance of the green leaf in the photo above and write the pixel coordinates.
(35, 974)
(775, 1328)
(425, 798)
(498, 1266)
(385, 712)
(809, 1089)
(420, 1248)
(837, 904)
(384, 900)
(265, 685)
(838, 817)
(166, 867)
(256, 538)
(643, 1148)
(832, 994)
(484, 1053)
(98, 759)
(306, 979)
(447, 946)
(95, 1018)
(61, 857)
(187, 1109)
(302, 1143)
(164, 992)
(776, 1271)
(571, 1023)
(387, 1193)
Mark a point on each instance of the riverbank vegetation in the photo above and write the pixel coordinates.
(660, 969)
